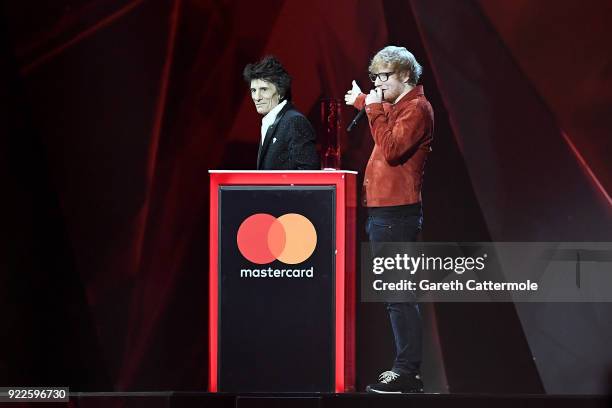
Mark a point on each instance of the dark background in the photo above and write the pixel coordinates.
(112, 112)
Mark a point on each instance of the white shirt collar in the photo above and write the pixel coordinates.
(269, 119)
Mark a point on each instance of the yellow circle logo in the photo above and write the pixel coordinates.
(290, 238)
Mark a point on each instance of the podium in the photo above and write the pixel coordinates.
(282, 281)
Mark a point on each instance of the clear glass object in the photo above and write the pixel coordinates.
(331, 120)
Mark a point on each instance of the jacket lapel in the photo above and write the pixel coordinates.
(263, 148)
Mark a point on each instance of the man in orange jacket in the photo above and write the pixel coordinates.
(401, 123)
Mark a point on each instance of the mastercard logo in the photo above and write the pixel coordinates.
(290, 238)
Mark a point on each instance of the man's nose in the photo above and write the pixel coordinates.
(378, 82)
(256, 95)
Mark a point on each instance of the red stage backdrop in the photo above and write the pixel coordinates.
(113, 112)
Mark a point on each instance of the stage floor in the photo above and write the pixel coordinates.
(173, 399)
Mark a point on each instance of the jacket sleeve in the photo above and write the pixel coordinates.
(302, 147)
(360, 101)
(396, 138)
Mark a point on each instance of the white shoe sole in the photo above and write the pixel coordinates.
(384, 392)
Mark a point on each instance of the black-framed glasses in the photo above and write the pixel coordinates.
(383, 76)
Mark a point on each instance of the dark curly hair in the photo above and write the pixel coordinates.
(271, 70)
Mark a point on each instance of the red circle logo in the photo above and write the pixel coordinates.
(290, 238)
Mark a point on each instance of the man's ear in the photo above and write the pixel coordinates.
(405, 76)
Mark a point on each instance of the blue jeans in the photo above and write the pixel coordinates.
(400, 224)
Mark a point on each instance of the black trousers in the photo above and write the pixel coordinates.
(400, 224)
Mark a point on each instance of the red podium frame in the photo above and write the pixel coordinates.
(346, 202)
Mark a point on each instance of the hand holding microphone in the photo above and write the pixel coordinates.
(375, 96)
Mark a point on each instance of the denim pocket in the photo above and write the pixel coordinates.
(393, 229)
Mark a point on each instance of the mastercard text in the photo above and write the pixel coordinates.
(277, 273)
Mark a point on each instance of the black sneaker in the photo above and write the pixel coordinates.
(391, 382)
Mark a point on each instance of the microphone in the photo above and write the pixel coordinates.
(356, 119)
(360, 114)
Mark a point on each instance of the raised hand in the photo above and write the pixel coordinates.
(352, 94)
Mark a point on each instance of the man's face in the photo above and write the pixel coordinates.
(265, 95)
(395, 84)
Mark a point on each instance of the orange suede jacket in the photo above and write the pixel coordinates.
(402, 134)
